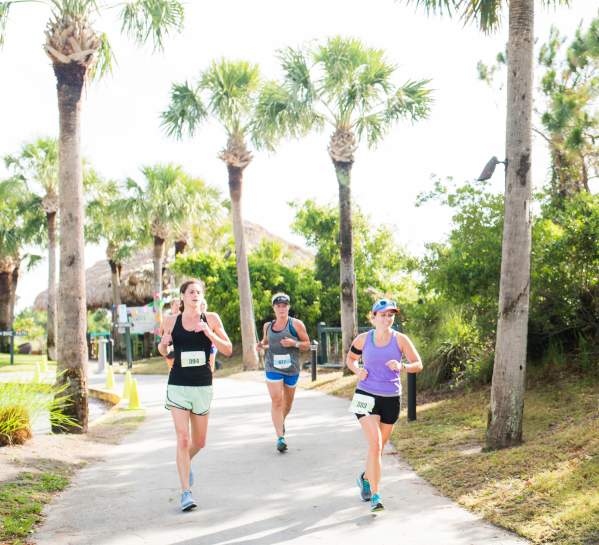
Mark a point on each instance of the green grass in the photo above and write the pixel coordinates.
(23, 363)
(22, 500)
(546, 490)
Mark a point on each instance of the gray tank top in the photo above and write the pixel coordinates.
(281, 359)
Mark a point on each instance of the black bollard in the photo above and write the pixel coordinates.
(411, 397)
(12, 347)
(314, 350)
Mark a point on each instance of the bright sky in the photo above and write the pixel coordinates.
(121, 129)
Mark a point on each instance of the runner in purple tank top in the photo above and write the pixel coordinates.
(376, 401)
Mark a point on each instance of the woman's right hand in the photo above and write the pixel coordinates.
(169, 361)
(166, 339)
(362, 374)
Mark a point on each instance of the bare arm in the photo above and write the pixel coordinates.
(411, 354)
(166, 338)
(304, 341)
(217, 334)
(263, 344)
(352, 358)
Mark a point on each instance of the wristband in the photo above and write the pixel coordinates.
(297, 344)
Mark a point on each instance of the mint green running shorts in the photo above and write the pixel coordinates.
(196, 399)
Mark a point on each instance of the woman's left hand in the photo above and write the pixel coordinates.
(394, 365)
(203, 326)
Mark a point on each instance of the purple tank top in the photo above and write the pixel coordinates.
(380, 380)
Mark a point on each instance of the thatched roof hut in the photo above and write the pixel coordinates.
(136, 274)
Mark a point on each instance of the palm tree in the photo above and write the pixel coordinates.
(21, 224)
(109, 218)
(509, 372)
(37, 164)
(77, 52)
(161, 203)
(228, 91)
(348, 87)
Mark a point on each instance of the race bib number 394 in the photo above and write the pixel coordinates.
(193, 359)
(361, 404)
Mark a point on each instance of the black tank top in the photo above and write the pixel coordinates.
(193, 349)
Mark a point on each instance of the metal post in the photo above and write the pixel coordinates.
(110, 351)
(12, 347)
(314, 350)
(324, 348)
(129, 347)
(411, 397)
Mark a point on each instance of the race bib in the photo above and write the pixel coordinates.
(361, 404)
(193, 359)
(281, 362)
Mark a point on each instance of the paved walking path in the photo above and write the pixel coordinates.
(247, 492)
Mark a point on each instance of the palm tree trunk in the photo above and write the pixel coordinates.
(72, 319)
(509, 373)
(51, 327)
(349, 326)
(115, 274)
(180, 246)
(13, 291)
(157, 258)
(246, 313)
(6, 296)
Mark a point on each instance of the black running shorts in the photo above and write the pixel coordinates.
(386, 407)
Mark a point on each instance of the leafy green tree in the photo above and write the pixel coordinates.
(348, 87)
(382, 268)
(226, 91)
(21, 224)
(77, 53)
(566, 110)
(509, 370)
(37, 166)
(269, 274)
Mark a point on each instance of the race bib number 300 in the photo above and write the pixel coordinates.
(193, 359)
(281, 361)
(361, 404)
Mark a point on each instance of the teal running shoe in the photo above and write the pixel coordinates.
(375, 504)
(364, 487)
(281, 445)
(187, 503)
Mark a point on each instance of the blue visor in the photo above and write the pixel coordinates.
(384, 304)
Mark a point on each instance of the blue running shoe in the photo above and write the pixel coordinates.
(375, 504)
(281, 445)
(364, 487)
(187, 503)
(190, 477)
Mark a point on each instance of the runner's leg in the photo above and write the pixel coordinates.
(370, 426)
(181, 420)
(199, 429)
(288, 394)
(275, 389)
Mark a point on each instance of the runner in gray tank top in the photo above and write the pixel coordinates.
(282, 340)
(376, 401)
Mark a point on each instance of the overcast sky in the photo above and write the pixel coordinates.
(121, 129)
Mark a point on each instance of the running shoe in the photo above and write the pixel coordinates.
(190, 477)
(187, 503)
(281, 445)
(364, 487)
(375, 504)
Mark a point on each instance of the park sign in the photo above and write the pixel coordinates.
(142, 319)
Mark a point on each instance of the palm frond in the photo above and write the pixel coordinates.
(73, 9)
(231, 87)
(152, 19)
(373, 127)
(4, 8)
(412, 101)
(105, 59)
(185, 111)
(297, 74)
(279, 113)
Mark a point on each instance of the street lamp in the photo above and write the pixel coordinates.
(490, 168)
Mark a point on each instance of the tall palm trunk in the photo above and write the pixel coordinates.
(7, 266)
(509, 373)
(72, 319)
(349, 326)
(246, 314)
(158, 257)
(51, 327)
(115, 275)
(13, 291)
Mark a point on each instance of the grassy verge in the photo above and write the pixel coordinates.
(546, 490)
(22, 498)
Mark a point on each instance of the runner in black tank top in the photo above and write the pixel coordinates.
(190, 337)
